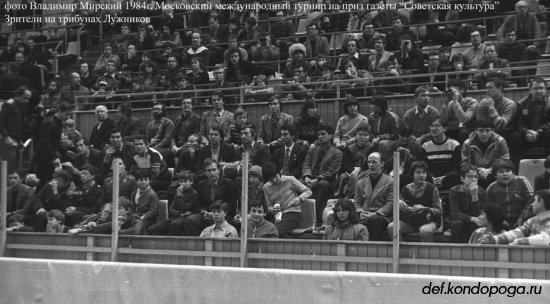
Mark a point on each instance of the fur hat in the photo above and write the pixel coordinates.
(296, 47)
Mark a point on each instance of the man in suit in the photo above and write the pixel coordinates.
(220, 83)
(290, 157)
(320, 168)
(128, 125)
(216, 187)
(360, 61)
(259, 154)
(217, 116)
(217, 149)
(101, 132)
(374, 199)
(316, 45)
(145, 200)
(19, 196)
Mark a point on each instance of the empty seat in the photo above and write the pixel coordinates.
(163, 211)
(529, 168)
(308, 217)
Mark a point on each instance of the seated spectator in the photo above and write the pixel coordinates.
(101, 63)
(221, 228)
(150, 160)
(191, 155)
(197, 49)
(535, 231)
(217, 116)
(258, 91)
(384, 126)
(345, 224)
(374, 198)
(355, 154)
(491, 223)
(282, 32)
(168, 52)
(217, 149)
(445, 57)
(492, 66)
(460, 111)
(117, 149)
(321, 69)
(442, 155)
(250, 33)
(184, 215)
(395, 34)
(466, 200)
(258, 153)
(290, 157)
(272, 123)
(159, 130)
(297, 53)
(360, 61)
(19, 198)
(532, 121)
(56, 218)
(126, 184)
(86, 155)
(482, 149)
(315, 44)
(307, 123)
(474, 53)
(127, 124)
(216, 187)
(173, 67)
(86, 199)
(112, 80)
(458, 65)
(52, 98)
(264, 51)
(433, 76)
(411, 58)
(542, 181)
(74, 90)
(256, 194)
(145, 39)
(299, 89)
(361, 85)
(420, 117)
(391, 82)
(347, 126)
(128, 222)
(497, 108)
(516, 52)
(151, 80)
(379, 60)
(131, 61)
(321, 165)
(232, 44)
(186, 124)
(418, 197)
(524, 23)
(169, 36)
(198, 74)
(512, 192)
(145, 199)
(366, 40)
(241, 119)
(87, 79)
(176, 94)
(258, 226)
(220, 83)
(242, 71)
(284, 194)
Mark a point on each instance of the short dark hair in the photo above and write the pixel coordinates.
(208, 162)
(140, 137)
(142, 173)
(537, 80)
(269, 170)
(290, 128)
(124, 203)
(219, 205)
(544, 194)
(363, 128)
(484, 123)
(419, 164)
(126, 109)
(350, 100)
(420, 90)
(90, 168)
(327, 128)
(186, 175)
(503, 164)
(57, 214)
(405, 130)
(495, 215)
(467, 168)
(115, 130)
(219, 130)
(459, 83)
(65, 106)
(257, 204)
(499, 82)
(251, 127)
(380, 101)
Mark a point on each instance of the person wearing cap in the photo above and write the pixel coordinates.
(284, 194)
(474, 53)
(524, 23)
(482, 149)
(347, 125)
(256, 194)
(297, 54)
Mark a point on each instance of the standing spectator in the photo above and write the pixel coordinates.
(420, 117)
(127, 124)
(101, 131)
(320, 167)
(75, 89)
(384, 126)
(271, 124)
(217, 116)
(315, 45)
(347, 125)
(12, 129)
(186, 124)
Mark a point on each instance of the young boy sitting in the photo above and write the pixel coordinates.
(55, 222)
(221, 228)
(145, 200)
(258, 227)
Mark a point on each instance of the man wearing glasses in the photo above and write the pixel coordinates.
(12, 125)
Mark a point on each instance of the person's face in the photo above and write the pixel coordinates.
(490, 53)
(101, 114)
(298, 55)
(323, 137)
(286, 137)
(187, 105)
(52, 86)
(484, 134)
(30, 42)
(143, 183)
(166, 30)
(145, 58)
(86, 176)
(241, 119)
(131, 49)
(280, 15)
(124, 30)
(321, 62)
(136, 86)
(311, 112)
(172, 63)
(122, 212)
(351, 67)
(106, 211)
(19, 58)
(232, 43)
(299, 72)
(14, 180)
(420, 175)
(444, 55)
(504, 175)
(379, 45)
(192, 140)
(353, 109)
(84, 68)
(538, 90)
(475, 39)
(108, 50)
(313, 31)
(538, 205)
(116, 139)
(275, 106)
(157, 111)
(234, 58)
(397, 24)
(196, 39)
(510, 37)
(483, 219)
(436, 128)
(212, 172)
(53, 222)
(214, 137)
(75, 79)
(186, 184)
(394, 64)
(217, 102)
(433, 61)
(458, 63)
(64, 115)
(254, 180)
(342, 214)
(195, 65)
(218, 215)
(368, 30)
(110, 67)
(246, 135)
(25, 97)
(219, 74)
(81, 148)
(492, 90)
(140, 146)
(470, 178)
(149, 69)
(362, 138)
(352, 47)
(423, 100)
(257, 214)
(375, 163)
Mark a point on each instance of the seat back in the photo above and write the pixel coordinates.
(529, 168)
(163, 211)
(308, 217)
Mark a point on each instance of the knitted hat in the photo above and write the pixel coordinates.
(296, 47)
(256, 171)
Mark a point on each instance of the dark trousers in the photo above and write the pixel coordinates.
(376, 224)
(321, 193)
(461, 231)
(518, 145)
(289, 221)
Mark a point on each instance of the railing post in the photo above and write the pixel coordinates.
(3, 205)
(244, 209)
(396, 225)
(114, 220)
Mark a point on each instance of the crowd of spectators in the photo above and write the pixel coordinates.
(457, 162)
